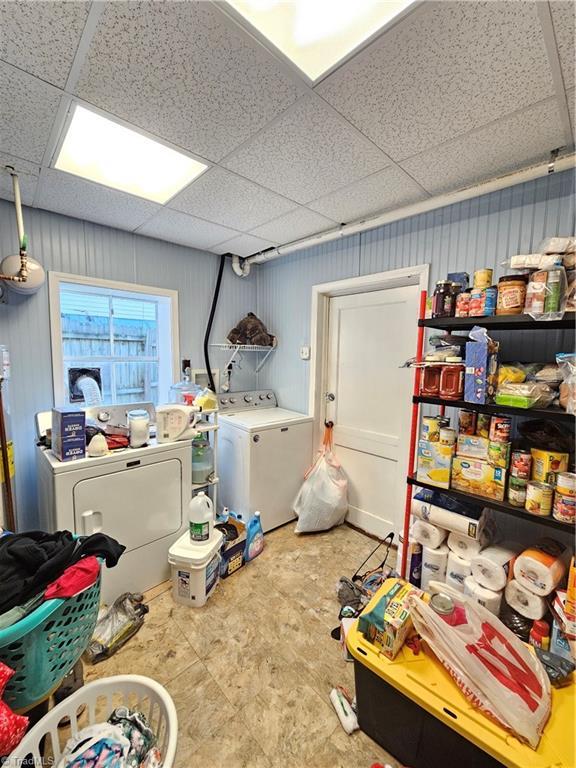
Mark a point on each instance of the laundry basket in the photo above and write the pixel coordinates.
(44, 646)
(101, 697)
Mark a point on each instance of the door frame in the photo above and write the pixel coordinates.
(321, 295)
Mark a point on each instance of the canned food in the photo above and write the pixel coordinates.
(517, 492)
(430, 429)
(442, 604)
(564, 508)
(545, 463)
(483, 425)
(482, 278)
(499, 454)
(566, 483)
(500, 427)
(447, 436)
(463, 304)
(490, 296)
(467, 422)
(476, 307)
(520, 464)
(539, 499)
(443, 421)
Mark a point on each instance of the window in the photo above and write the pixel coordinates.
(124, 337)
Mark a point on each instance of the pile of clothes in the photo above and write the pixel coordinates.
(37, 566)
(251, 330)
(124, 741)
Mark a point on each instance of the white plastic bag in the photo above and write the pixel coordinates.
(322, 501)
(491, 666)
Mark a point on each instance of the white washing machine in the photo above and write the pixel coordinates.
(138, 496)
(263, 453)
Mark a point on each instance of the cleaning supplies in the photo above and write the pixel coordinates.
(195, 568)
(200, 517)
(254, 537)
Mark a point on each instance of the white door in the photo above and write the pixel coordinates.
(368, 397)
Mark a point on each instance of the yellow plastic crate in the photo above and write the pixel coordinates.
(423, 680)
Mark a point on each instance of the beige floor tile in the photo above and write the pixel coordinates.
(232, 746)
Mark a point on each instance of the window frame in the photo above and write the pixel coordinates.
(57, 279)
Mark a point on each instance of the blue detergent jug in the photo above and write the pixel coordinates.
(254, 538)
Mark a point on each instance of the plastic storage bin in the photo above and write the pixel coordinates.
(195, 569)
(414, 710)
(44, 646)
(130, 690)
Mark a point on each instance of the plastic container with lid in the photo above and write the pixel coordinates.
(138, 427)
(200, 518)
(511, 294)
(184, 392)
(195, 569)
(202, 460)
(431, 381)
(452, 382)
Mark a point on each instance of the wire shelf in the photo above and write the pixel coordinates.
(239, 348)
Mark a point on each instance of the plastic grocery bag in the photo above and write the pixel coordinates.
(322, 501)
(492, 667)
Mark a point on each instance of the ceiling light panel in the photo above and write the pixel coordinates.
(317, 34)
(108, 153)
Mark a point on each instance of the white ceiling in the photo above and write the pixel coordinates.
(452, 94)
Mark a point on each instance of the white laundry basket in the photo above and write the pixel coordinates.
(135, 691)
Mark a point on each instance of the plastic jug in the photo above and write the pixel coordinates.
(202, 460)
(200, 517)
(254, 538)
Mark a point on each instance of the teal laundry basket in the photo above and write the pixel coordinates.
(44, 646)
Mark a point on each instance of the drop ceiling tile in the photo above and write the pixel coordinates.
(243, 245)
(231, 200)
(27, 110)
(293, 226)
(445, 69)
(564, 19)
(28, 174)
(510, 144)
(386, 189)
(181, 228)
(183, 71)
(42, 37)
(308, 152)
(71, 196)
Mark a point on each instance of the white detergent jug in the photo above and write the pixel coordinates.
(201, 517)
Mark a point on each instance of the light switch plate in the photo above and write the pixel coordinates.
(305, 353)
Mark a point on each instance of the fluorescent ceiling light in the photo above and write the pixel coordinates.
(316, 34)
(106, 152)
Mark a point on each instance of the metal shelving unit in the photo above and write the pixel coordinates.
(496, 323)
(237, 349)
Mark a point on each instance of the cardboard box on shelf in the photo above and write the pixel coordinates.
(434, 463)
(68, 433)
(480, 377)
(478, 477)
(473, 446)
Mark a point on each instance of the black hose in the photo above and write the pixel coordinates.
(211, 320)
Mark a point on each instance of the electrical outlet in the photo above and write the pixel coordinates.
(305, 353)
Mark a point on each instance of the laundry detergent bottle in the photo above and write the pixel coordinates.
(200, 517)
(254, 538)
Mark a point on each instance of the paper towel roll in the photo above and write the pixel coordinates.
(457, 570)
(434, 562)
(451, 521)
(486, 597)
(427, 534)
(464, 545)
(492, 567)
(523, 601)
(542, 567)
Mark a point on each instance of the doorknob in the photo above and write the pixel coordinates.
(330, 397)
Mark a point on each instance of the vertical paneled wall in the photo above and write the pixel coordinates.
(69, 245)
(481, 232)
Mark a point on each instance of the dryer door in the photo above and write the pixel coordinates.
(136, 506)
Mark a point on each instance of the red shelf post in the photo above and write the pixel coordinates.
(413, 432)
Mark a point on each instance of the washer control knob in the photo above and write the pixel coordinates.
(223, 401)
(232, 400)
(262, 397)
(103, 416)
(247, 398)
(269, 395)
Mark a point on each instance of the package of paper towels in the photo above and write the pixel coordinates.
(450, 521)
(434, 562)
(542, 567)
(464, 545)
(492, 566)
(427, 534)
(457, 570)
(488, 598)
(524, 602)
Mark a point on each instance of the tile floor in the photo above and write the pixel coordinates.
(251, 672)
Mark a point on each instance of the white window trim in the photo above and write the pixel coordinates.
(55, 279)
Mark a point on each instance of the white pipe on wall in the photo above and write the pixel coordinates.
(363, 225)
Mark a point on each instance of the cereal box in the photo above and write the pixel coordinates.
(434, 463)
(478, 477)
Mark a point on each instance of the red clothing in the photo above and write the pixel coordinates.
(75, 578)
